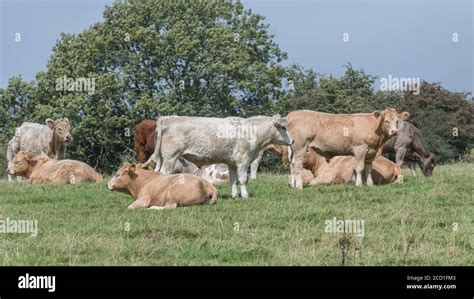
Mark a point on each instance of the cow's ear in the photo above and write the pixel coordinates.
(66, 119)
(377, 114)
(404, 115)
(31, 161)
(50, 123)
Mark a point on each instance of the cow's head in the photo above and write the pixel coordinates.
(61, 128)
(427, 164)
(389, 120)
(123, 177)
(22, 163)
(280, 135)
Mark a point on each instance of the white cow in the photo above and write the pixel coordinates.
(233, 141)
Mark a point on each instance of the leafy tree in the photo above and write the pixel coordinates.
(150, 58)
(352, 92)
(444, 117)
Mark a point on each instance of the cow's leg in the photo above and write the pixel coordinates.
(167, 206)
(141, 154)
(254, 165)
(12, 149)
(233, 181)
(141, 202)
(292, 177)
(359, 154)
(399, 159)
(297, 165)
(412, 166)
(242, 173)
(368, 173)
(169, 163)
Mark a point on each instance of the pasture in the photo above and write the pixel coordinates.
(425, 221)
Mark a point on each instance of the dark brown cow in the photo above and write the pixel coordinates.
(144, 140)
(409, 145)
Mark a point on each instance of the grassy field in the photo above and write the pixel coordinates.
(409, 224)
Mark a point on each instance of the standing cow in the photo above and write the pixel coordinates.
(47, 140)
(144, 144)
(360, 135)
(409, 144)
(233, 141)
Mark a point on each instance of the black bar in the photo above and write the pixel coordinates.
(343, 282)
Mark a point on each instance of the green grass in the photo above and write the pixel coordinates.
(86, 225)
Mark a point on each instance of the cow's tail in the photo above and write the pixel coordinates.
(155, 157)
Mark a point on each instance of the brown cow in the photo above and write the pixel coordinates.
(162, 191)
(41, 169)
(360, 135)
(144, 140)
(340, 170)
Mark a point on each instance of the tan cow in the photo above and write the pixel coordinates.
(161, 191)
(360, 135)
(340, 170)
(41, 169)
(312, 161)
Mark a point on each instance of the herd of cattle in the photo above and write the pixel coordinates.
(192, 154)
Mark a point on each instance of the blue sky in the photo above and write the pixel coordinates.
(386, 37)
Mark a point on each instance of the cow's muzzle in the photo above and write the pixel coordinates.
(110, 186)
(393, 132)
(68, 138)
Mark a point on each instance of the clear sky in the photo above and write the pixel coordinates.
(386, 37)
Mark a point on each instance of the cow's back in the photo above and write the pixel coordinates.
(65, 172)
(203, 140)
(35, 138)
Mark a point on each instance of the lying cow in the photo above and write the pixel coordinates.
(233, 141)
(161, 191)
(312, 161)
(48, 140)
(41, 169)
(215, 173)
(408, 143)
(340, 170)
(144, 144)
(360, 135)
